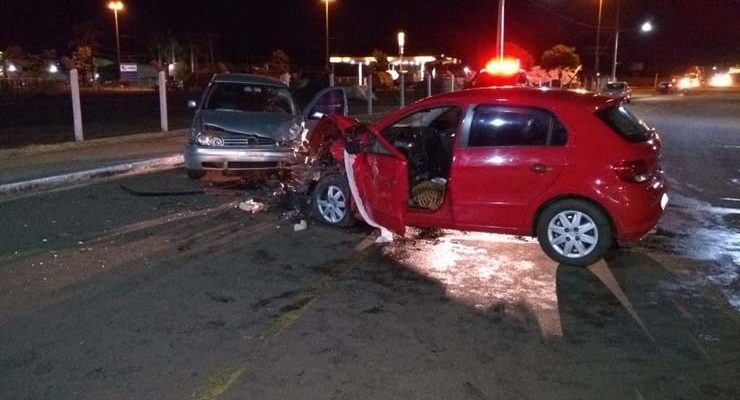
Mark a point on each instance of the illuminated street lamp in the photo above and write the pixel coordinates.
(645, 28)
(117, 6)
(326, 14)
(401, 44)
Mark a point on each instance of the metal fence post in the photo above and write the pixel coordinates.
(163, 101)
(74, 84)
(369, 94)
(429, 84)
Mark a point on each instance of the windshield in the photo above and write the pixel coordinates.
(231, 96)
(615, 86)
(624, 123)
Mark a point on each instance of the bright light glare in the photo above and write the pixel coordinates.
(721, 80)
(53, 69)
(401, 39)
(688, 83)
(116, 5)
(12, 68)
(507, 66)
(485, 270)
(647, 27)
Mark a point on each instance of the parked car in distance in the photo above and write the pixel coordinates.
(665, 87)
(617, 89)
(248, 122)
(577, 170)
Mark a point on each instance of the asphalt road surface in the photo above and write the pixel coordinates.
(105, 294)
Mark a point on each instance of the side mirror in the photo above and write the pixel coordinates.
(353, 147)
(192, 104)
(316, 115)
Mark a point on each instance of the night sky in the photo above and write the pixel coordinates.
(687, 31)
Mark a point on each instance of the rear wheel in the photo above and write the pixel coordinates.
(331, 200)
(195, 173)
(574, 232)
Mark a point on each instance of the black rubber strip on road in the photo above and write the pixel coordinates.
(142, 193)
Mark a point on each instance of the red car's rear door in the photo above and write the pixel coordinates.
(508, 157)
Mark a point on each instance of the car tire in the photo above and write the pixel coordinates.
(331, 201)
(574, 232)
(195, 173)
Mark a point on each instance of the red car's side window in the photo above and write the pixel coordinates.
(495, 126)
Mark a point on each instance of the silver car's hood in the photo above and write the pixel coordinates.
(277, 126)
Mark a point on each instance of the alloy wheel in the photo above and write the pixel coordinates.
(332, 204)
(572, 234)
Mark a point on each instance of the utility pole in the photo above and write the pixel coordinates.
(598, 38)
(500, 30)
(616, 44)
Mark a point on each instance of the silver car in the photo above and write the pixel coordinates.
(617, 89)
(248, 122)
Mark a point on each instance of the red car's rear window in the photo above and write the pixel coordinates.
(625, 124)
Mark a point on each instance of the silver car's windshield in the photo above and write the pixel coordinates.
(232, 96)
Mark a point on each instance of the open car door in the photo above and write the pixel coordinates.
(378, 178)
(329, 101)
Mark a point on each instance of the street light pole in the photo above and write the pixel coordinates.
(117, 6)
(326, 15)
(616, 45)
(500, 30)
(598, 38)
(401, 44)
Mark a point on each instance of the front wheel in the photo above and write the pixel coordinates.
(331, 200)
(574, 232)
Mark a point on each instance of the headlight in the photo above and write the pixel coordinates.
(209, 140)
(290, 134)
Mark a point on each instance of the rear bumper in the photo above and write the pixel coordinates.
(208, 158)
(643, 211)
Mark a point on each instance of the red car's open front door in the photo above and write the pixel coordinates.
(380, 179)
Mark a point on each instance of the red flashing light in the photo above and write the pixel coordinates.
(506, 66)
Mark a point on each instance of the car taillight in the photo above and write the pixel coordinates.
(632, 171)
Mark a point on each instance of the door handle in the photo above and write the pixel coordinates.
(540, 168)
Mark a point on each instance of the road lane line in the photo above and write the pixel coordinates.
(226, 376)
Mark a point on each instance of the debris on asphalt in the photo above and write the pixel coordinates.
(301, 226)
(252, 206)
(386, 236)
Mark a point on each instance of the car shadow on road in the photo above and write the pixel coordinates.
(644, 326)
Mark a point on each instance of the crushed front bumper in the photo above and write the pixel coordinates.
(236, 159)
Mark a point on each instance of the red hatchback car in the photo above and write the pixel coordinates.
(576, 170)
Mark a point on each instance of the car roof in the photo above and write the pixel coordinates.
(528, 95)
(248, 78)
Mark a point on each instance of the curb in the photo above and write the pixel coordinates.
(76, 178)
(90, 143)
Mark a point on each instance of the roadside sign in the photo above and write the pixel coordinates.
(129, 72)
